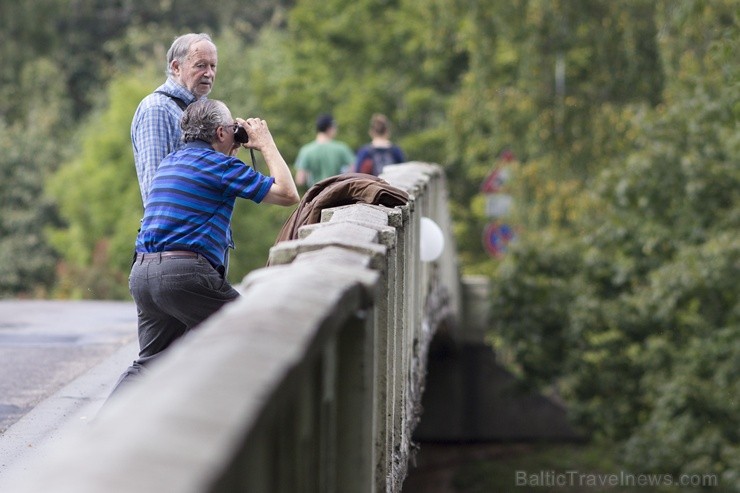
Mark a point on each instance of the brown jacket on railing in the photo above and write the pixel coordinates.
(344, 189)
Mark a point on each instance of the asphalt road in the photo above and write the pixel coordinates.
(59, 361)
(44, 345)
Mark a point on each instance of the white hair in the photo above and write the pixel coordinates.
(181, 47)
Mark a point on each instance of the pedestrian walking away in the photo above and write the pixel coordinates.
(324, 156)
(380, 152)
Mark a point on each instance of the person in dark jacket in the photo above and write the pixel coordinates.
(380, 152)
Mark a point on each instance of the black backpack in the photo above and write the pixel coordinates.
(378, 159)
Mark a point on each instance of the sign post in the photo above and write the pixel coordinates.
(497, 234)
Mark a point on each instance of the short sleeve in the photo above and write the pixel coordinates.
(240, 180)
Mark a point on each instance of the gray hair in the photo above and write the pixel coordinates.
(181, 47)
(201, 119)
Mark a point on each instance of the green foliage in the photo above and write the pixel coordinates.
(536, 276)
(255, 227)
(550, 81)
(26, 262)
(370, 56)
(29, 150)
(98, 196)
(27, 31)
(694, 413)
(641, 320)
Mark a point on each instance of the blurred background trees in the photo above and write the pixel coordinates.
(632, 301)
(620, 291)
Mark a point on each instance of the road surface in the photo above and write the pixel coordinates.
(58, 362)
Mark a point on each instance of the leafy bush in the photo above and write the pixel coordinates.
(645, 347)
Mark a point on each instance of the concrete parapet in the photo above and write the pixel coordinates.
(311, 381)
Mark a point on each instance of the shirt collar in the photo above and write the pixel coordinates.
(172, 87)
(198, 144)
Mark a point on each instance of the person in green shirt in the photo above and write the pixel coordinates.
(324, 157)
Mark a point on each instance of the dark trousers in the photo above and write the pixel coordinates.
(173, 295)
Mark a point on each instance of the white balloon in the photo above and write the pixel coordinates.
(432, 240)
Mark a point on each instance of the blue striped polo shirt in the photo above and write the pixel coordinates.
(192, 199)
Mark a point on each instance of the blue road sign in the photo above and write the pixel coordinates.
(496, 238)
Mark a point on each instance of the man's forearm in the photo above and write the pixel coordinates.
(283, 191)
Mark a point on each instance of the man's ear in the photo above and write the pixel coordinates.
(175, 67)
(220, 134)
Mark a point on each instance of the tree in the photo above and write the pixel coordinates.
(24, 213)
(31, 149)
(98, 196)
(548, 81)
(643, 345)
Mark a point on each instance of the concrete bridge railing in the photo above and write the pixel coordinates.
(311, 381)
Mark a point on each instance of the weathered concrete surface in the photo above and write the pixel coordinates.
(211, 387)
(310, 382)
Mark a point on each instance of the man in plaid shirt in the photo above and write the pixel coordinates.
(155, 129)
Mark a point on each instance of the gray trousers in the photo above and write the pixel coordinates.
(173, 295)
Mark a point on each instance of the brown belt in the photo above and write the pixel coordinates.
(168, 254)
